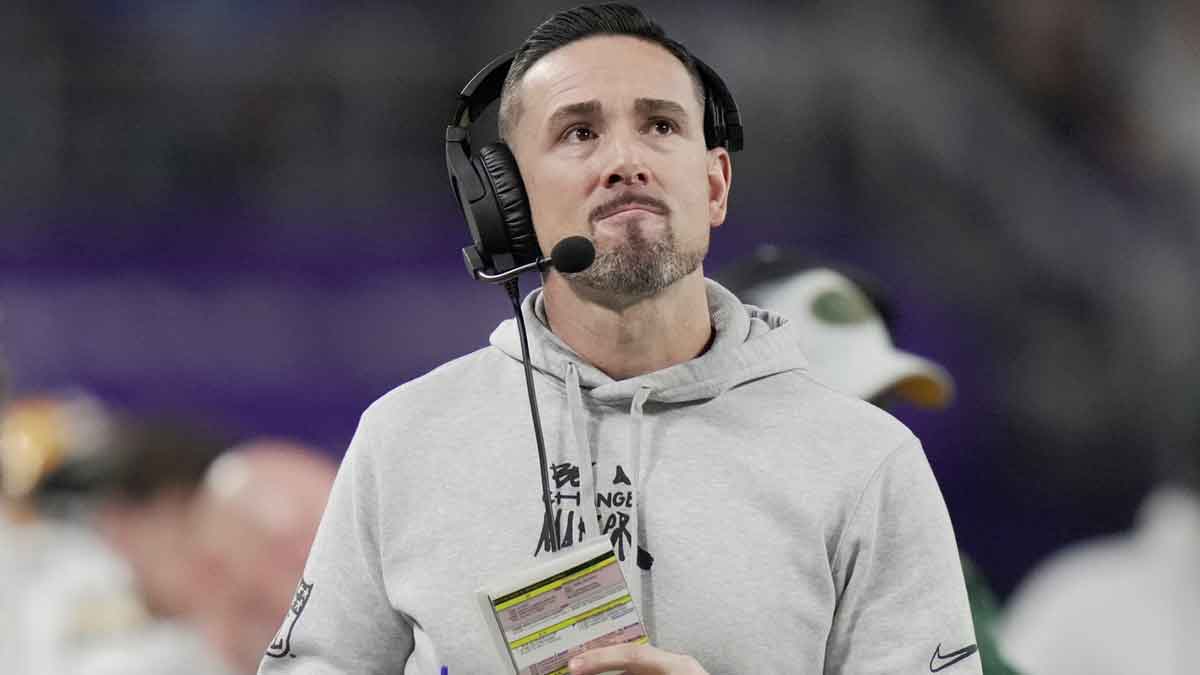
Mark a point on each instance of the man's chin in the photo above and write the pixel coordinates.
(631, 274)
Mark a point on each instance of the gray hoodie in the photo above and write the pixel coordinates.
(787, 528)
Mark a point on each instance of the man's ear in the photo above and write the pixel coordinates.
(720, 177)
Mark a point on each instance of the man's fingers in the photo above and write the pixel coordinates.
(634, 659)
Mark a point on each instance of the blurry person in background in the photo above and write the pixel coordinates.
(257, 513)
(844, 322)
(1121, 603)
(10, 548)
(844, 330)
(112, 592)
(42, 439)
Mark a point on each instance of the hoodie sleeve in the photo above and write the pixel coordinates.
(341, 620)
(902, 603)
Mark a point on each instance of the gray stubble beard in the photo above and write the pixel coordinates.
(638, 267)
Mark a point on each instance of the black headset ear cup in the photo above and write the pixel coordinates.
(501, 170)
(713, 123)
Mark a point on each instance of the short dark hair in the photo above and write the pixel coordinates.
(569, 25)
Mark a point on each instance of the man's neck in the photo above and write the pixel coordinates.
(627, 340)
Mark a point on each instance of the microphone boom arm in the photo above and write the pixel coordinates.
(505, 277)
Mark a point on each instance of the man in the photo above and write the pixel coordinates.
(1128, 602)
(113, 582)
(256, 515)
(765, 523)
(844, 321)
(39, 437)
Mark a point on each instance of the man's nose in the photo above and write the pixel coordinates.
(626, 166)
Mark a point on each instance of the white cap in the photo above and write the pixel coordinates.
(846, 341)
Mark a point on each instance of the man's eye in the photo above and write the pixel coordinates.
(580, 134)
(664, 127)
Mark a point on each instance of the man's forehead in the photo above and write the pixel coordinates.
(600, 67)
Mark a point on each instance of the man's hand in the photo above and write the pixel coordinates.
(634, 660)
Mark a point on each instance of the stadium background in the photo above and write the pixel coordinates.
(238, 211)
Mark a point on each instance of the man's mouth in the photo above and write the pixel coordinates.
(629, 204)
(632, 209)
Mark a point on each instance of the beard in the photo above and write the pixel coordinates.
(640, 267)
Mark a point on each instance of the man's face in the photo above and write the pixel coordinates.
(610, 143)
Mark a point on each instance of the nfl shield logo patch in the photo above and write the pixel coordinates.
(281, 646)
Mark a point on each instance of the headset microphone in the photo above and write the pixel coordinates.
(573, 254)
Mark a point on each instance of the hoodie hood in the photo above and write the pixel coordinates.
(749, 343)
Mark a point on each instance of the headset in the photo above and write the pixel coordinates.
(488, 186)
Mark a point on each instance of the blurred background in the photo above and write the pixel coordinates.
(238, 212)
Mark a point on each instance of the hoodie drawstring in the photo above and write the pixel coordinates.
(587, 472)
(632, 572)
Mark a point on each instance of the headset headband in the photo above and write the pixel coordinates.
(482, 90)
